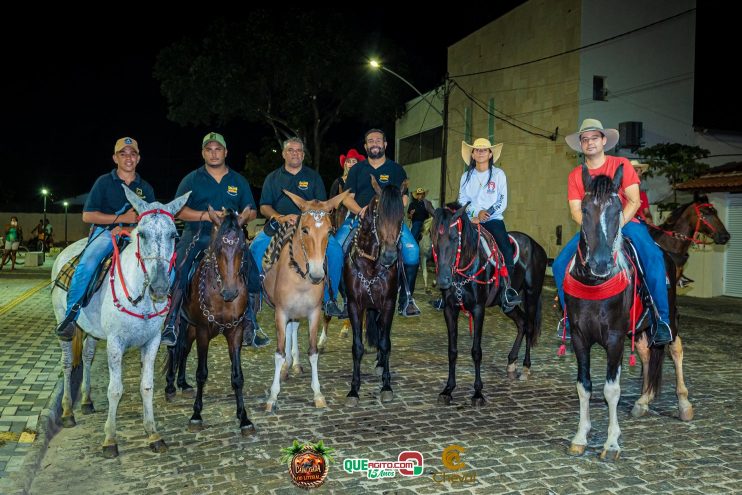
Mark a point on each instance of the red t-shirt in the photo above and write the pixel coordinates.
(576, 190)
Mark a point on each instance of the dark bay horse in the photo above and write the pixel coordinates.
(469, 281)
(600, 288)
(371, 273)
(216, 304)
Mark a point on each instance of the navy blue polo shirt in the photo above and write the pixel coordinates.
(359, 179)
(306, 184)
(232, 192)
(107, 195)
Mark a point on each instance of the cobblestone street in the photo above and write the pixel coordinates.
(516, 443)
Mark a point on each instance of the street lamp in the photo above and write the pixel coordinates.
(66, 204)
(444, 114)
(45, 193)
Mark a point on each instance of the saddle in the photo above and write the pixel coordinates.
(64, 278)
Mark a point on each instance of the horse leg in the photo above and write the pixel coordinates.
(282, 335)
(346, 328)
(584, 390)
(354, 315)
(68, 416)
(323, 335)
(148, 354)
(520, 323)
(202, 373)
(641, 406)
(424, 267)
(686, 408)
(234, 344)
(115, 390)
(319, 399)
(451, 316)
(384, 325)
(288, 356)
(185, 388)
(88, 353)
(477, 399)
(296, 368)
(612, 393)
(170, 375)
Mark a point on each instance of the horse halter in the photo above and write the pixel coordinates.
(210, 259)
(319, 217)
(363, 254)
(700, 218)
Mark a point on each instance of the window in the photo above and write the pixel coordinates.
(599, 90)
(420, 147)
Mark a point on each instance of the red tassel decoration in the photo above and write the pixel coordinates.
(632, 360)
(562, 350)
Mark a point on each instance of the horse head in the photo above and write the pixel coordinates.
(384, 220)
(707, 220)
(155, 240)
(448, 225)
(314, 228)
(226, 251)
(602, 211)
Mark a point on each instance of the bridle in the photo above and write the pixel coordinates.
(319, 217)
(356, 249)
(700, 219)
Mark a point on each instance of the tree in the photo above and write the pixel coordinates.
(676, 162)
(298, 73)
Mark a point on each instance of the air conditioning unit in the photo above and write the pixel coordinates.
(630, 135)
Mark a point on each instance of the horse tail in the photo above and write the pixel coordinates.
(77, 341)
(656, 359)
(534, 281)
(535, 327)
(372, 329)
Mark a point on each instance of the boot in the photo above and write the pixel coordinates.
(66, 328)
(253, 335)
(170, 329)
(331, 308)
(661, 333)
(437, 304)
(408, 307)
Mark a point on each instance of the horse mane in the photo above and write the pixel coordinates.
(391, 204)
(601, 187)
(278, 241)
(469, 234)
(673, 218)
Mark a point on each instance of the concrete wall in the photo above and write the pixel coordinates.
(538, 97)
(76, 229)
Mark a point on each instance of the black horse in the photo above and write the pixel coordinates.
(371, 273)
(470, 282)
(600, 289)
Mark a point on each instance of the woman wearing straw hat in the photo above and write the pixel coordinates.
(418, 212)
(485, 188)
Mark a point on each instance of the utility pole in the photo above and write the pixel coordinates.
(444, 144)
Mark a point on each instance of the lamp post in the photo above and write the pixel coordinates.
(444, 114)
(45, 193)
(66, 204)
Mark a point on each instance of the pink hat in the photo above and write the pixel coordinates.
(352, 153)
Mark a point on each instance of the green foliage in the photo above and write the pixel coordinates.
(287, 453)
(676, 162)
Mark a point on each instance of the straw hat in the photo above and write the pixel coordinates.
(640, 166)
(573, 140)
(419, 192)
(480, 144)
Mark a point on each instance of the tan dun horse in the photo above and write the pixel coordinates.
(294, 267)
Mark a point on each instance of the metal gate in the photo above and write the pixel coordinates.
(733, 256)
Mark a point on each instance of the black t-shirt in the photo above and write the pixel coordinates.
(359, 179)
(107, 196)
(421, 214)
(306, 184)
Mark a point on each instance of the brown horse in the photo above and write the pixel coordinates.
(217, 304)
(294, 284)
(371, 275)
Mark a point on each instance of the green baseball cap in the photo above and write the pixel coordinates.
(216, 137)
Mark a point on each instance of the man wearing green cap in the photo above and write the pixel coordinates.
(216, 185)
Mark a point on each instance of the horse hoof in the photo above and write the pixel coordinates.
(284, 375)
(478, 401)
(110, 451)
(248, 430)
(639, 410)
(379, 371)
(512, 375)
(270, 407)
(159, 446)
(610, 455)
(351, 401)
(69, 421)
(320, 402)
(686, 414)
(169, 397)
(387, 396)
(344, 332)
(444, 400)
(188, 392)
(297, 369)
(576, 450)
(525, 374)
(195, 425)
(87, 408)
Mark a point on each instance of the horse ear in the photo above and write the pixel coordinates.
(243, 216)
(586, 179)
(405, 187)
(460, 212)
(136, 202)
(333, 202)
(215, 218)
(177, 204)
(375, 185)
(618, 178)
(298, 200)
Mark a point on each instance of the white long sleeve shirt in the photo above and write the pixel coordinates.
(484, 194)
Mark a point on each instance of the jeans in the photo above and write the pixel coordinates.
(410, 248)
(99, 246)
(650, 256)
(334, 256)
(416, 229)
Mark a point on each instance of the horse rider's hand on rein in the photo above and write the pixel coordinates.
(483, 216)
(290, 218)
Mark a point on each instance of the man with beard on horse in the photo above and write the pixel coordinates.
(306, 183)
(593, 140)
(386, 172)
(216, 185)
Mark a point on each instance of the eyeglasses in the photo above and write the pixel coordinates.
(291, 151)
(591, 139)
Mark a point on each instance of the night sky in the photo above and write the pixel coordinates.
(69, 90)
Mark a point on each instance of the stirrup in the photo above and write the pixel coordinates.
(66, 328)
(562, 326)
(410, 309)
(169, 335)
(260, 339)
(661, 335)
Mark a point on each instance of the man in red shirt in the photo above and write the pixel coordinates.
(592, 140)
